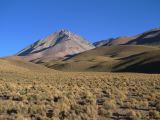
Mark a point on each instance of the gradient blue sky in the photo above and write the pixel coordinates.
(22, 22)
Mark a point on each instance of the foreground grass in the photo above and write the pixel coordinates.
(37, 93)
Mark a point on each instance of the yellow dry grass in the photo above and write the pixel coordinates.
(33, 92)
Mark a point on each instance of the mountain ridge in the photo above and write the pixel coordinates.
(150, 37)
(66, 51)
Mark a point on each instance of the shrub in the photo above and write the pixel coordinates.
(158, 106)
(154, 114)
(132, 115)
(109, 104)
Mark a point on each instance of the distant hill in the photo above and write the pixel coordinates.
(111, 58)
(102, 42)
(61, 44)
(151, 37)
(114, 41)
(120, 40)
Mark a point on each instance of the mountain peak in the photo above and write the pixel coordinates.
(57, 45)
(65, 32)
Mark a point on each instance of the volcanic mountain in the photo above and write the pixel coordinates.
(60, 45)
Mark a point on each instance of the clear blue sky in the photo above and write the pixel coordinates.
(22, 22)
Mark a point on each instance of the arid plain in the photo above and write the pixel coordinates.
(33, 92)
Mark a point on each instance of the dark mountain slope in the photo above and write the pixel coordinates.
(148, 62)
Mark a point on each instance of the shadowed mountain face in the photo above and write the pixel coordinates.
(148, 62)
(56, 46)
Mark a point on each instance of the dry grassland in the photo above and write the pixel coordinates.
(32, 92)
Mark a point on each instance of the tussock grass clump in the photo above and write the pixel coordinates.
(154, 114)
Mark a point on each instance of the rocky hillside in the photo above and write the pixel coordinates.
(59, 45)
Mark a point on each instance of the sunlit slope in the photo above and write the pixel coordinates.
(120, 40)
(21, 66)
(20, 70)
(100, 59)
